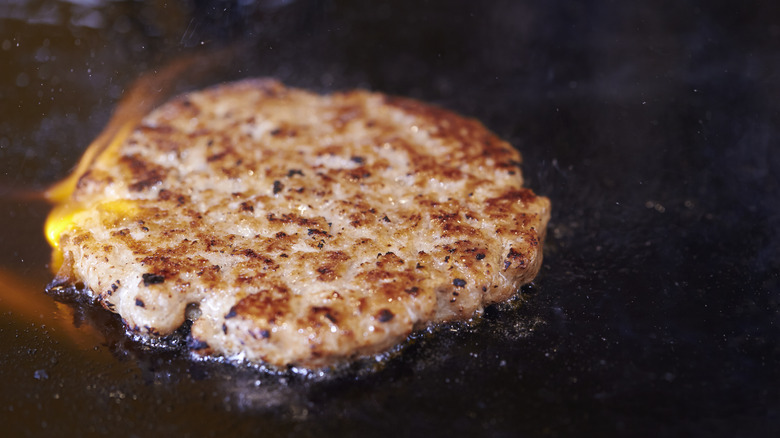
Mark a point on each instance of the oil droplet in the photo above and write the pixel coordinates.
(22, 80)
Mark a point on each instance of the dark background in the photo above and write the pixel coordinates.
(651, 125)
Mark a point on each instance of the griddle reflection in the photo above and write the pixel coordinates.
(27, 302)
(166, 362)
(291, 393)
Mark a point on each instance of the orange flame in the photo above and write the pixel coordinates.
(26, 298)
(149, 91)
(28, 301)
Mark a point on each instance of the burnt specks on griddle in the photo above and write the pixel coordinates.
(459, 282)
(278, 187)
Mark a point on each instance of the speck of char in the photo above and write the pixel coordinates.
(384, 315)
(150, 279)
(194, 344)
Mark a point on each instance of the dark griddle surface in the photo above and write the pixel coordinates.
(652, 126)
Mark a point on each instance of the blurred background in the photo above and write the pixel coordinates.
(651, 125)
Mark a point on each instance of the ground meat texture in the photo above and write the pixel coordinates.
(307, 229)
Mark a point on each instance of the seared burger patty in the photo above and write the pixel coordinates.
(307, 229)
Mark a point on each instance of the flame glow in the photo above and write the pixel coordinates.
(149, 91)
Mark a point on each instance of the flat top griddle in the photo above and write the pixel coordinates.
(652, 126)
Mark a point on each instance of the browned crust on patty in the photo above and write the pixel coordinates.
(308, 229)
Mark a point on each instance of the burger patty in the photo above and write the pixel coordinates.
(299, 229)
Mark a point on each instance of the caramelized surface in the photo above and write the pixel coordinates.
(307, 229)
